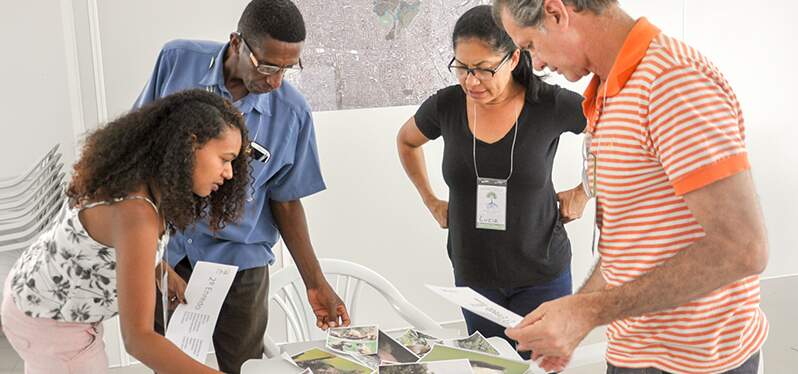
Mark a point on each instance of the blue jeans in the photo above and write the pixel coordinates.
(520, 300)
(750, 366)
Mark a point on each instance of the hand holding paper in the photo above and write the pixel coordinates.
(524, 330)
(556, 327)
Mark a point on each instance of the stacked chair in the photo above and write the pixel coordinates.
(30, 202)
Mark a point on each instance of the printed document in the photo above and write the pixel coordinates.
(191, 326)
(473, 301)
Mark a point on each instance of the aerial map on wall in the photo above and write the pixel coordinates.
(376, 53)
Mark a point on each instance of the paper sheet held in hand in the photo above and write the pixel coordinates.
(473, 301)
(191, 326)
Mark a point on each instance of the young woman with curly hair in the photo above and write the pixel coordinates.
(143, 176)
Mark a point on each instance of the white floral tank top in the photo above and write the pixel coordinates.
(68, 276)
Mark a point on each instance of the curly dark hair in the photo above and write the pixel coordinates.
(154, 146)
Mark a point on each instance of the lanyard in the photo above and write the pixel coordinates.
(594, 186)
(474, 146)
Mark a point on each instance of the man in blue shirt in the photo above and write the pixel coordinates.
(248, 71)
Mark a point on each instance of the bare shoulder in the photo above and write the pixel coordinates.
(132, 222)
(135, 212)
(103, 221)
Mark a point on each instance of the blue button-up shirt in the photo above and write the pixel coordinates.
(280, 120)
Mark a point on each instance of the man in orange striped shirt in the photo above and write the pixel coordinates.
(682, 235)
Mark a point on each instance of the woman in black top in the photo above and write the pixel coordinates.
(501, 127)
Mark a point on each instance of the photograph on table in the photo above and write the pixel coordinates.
(355, 332)
(319, 361)
(429, 338)
(391, 351)
(418, 342)
(438, 367)
(372, 361)
(359, 347)
(475, 342)
(480, 362)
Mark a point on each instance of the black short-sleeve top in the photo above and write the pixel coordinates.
(535, 248)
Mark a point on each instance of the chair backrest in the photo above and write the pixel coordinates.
(30, 202)
(347, 278)
(32, 186)
(34, 205)
(52, 156)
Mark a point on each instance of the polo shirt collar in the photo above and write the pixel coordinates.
(214, 77)
(632, 52)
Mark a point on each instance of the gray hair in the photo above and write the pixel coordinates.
(529, 13)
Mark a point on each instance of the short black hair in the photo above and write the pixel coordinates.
(278, 19)
(478, 23)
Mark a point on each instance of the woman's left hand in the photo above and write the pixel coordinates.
(572, 203)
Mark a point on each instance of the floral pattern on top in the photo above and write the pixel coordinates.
(68, 276)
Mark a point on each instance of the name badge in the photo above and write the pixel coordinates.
(492, 204)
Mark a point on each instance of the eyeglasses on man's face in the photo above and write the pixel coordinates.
(461, 71)
(268, 69)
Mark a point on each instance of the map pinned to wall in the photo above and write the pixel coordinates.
(376, 53)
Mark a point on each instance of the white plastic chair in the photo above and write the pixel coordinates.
(49, 159)
(30, 202)
(32, 205)
(287, 290)
(29, 186)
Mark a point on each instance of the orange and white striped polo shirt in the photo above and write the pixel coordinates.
(670, 124)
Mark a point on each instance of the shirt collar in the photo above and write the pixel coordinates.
(632, 52)
(214, 77)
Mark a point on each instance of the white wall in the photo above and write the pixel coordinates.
(757, 55)
(38, 101)
(35, 103)
(133, 33)
(371, 213)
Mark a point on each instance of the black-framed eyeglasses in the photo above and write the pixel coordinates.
(268, 69)
(483, 74)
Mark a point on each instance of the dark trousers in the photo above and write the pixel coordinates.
(520, 300)
(239, 331)
(750, 366)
